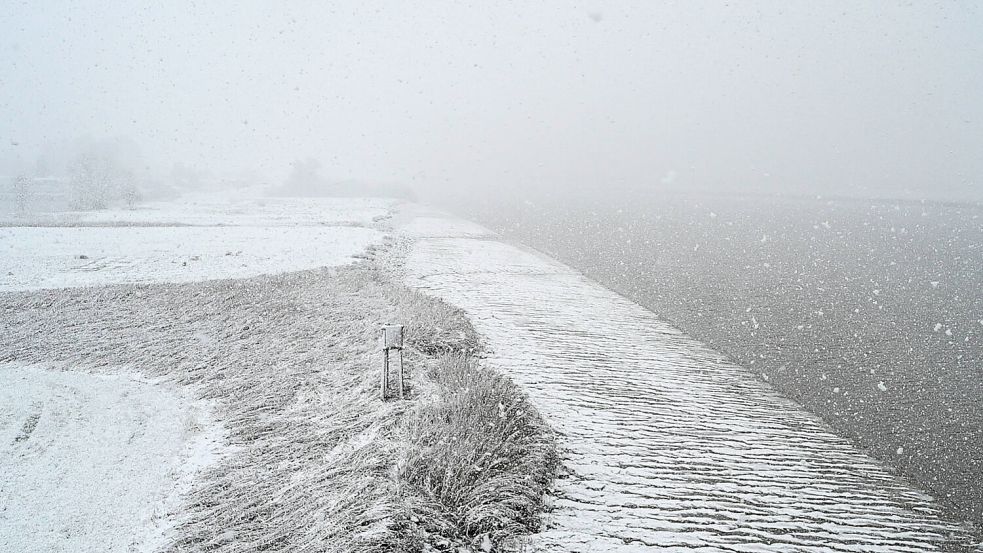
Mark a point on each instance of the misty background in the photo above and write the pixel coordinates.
(880, 99)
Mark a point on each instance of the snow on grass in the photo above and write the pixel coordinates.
(195, 237)
(108, 463)
(317, 460)
(94, 463)
(290, 363)
(239, 208)
(480, 460)
(33, 258)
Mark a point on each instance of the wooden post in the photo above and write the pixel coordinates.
(392, 339)
(399, 367)
(385, 372)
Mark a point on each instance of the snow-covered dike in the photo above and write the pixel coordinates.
(669, 446)
(93, 462)
(32, 258)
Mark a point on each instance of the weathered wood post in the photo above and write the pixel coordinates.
(385, 366)
(392, 340)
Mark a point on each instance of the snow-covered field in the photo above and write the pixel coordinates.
(94, 462)
(60, 257)
(197, 237)
(249, 207)
(97, 462)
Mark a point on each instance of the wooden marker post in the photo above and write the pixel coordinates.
(392, 340)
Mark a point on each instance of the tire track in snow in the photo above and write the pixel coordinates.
(667, 444)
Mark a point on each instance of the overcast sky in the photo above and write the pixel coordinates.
(808, 96)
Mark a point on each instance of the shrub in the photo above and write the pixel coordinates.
(479, 459)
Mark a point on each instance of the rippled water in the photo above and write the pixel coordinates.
(666, 444)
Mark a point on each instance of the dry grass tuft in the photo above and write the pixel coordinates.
(434, 327)
(479, 456)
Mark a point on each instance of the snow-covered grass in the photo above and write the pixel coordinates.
(480, 456)
(229, 298)
(317, 461)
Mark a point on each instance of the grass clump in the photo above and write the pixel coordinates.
(434, 328)
(476, 457)
(479, 459)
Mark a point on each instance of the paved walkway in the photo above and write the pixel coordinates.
(669, 446)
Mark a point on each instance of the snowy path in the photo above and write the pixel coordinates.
(94, 463)
(670, 446)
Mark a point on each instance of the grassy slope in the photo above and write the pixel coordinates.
(318, 462)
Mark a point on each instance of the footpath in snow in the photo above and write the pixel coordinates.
(668, 446)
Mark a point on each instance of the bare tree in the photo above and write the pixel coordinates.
(98, 181)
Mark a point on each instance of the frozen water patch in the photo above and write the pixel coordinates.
(34, 258)
(95, 463)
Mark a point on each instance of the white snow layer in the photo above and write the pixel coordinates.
(204, 236)
(244, 208)
(95, 462)
(33, 258)
(100, 463)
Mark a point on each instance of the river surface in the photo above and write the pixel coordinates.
(666, 443)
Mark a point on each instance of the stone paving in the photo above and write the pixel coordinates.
(666, 445)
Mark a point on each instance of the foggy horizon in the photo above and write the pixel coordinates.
(878, 100)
